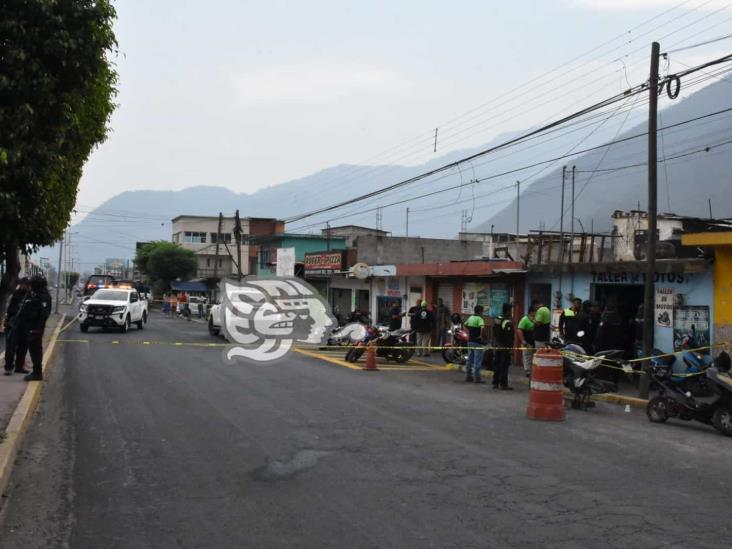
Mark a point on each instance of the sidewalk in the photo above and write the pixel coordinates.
(12, 387)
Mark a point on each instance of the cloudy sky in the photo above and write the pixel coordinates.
(247, 94)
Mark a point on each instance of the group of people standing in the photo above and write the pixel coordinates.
(25, 322)
(429, 323)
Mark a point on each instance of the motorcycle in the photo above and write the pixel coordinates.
(390, 345)
(346, 335)
(703, 392)
(581, 373)
(456, 352)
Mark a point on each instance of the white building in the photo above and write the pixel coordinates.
(198, 233)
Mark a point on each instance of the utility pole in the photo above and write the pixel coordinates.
(327, 236)
(216, 257)
(571, 240)
(58, 275)
(436, 129)
(518, 208)
(561, 229)
(237, 232)
(648, 295)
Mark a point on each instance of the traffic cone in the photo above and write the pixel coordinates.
(371, 359)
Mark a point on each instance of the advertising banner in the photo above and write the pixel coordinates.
(664, 307)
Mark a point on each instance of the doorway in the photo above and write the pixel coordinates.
(626, 297)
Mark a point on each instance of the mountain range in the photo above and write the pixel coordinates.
(608, 178)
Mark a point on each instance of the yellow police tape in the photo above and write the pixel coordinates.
(606, 363)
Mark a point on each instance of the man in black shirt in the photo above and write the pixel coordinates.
(395, 317)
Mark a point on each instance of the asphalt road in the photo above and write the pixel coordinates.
(164, 446)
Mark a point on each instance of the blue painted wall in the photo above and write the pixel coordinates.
(696, 288)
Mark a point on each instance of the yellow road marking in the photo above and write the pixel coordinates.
(327, 358)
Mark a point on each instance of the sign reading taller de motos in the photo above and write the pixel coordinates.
(324, 261)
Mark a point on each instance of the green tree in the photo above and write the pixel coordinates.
(73, 279)
(164, 262)
(57, 86)
(143, 253)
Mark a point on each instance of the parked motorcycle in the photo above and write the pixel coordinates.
(394, 345)
(701, 393)
(347, 335)
(456, 352)
(581, 373)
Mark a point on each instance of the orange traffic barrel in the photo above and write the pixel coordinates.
(545, 398)
(371, 359)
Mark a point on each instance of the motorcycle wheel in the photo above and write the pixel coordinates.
(404, 355)
(722, 420)
(354, 354)
(450, 356)
(657, 410)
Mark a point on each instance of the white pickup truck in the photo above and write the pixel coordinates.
(215, 319)
(113, 308)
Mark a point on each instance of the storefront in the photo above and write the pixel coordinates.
(683, 292)
(464, 284)
(345, 294)
(721, 244)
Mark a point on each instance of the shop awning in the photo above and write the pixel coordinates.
(189, 286)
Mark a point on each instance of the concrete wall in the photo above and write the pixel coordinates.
(375, 250)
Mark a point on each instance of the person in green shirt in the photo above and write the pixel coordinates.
(476, 327)
(526, 337)
(542, 327)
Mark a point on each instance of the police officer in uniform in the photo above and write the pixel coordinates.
(11, 332)
(503, 338)
(35, 310)
(572, 321)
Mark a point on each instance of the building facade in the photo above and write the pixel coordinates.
(199, 234)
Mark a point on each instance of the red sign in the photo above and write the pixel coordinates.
(324, 261)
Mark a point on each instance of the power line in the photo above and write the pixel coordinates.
(699, 44)
(609, 101)
(535, 164)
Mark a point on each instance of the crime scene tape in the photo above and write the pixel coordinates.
(624, 365)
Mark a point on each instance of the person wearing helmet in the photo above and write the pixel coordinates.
(35, 310)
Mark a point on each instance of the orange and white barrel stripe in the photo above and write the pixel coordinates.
(545, 398)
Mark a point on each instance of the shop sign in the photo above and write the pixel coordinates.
(383, 270)
(324, 261)
(640, 278)
(285, 261)
(691, 326)
(664, 307)
(475, 294)
(393, 289)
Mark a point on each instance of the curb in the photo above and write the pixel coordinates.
(613, 398)
(20, 420)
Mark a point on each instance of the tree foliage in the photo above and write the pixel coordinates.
(73, 279)
(164, 262)
(57, 86)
